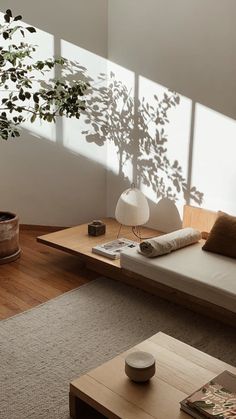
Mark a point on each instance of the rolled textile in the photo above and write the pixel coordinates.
(167, 243)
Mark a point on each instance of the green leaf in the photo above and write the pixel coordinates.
(21, 95)
(33, 117)
(36, 97)
(5, 35)
(7, 18)
(19, 17)
(31, 29)
(13, 77)
(39, 65)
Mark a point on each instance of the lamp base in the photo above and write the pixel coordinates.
(136, 230)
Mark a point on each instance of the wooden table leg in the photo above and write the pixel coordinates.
(81, 410)
(72, 404)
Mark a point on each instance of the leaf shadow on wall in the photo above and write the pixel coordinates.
(138, 131)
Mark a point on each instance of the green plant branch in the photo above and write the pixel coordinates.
(19, 81)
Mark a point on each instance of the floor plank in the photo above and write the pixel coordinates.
(40, 274)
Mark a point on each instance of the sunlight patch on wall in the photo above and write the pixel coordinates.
(120, 135)
(168, 137)
(214, 168)
(149, 131)
(89, 66)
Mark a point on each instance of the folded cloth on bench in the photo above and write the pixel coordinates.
(162, 245)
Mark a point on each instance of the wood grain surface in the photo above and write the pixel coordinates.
(180, 370)
(40, 274)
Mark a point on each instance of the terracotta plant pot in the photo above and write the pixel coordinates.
(9, 237)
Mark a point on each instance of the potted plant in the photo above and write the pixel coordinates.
(9, 237)
(26, 96)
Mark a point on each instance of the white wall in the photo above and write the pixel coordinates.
(51, 175)
(188, 46)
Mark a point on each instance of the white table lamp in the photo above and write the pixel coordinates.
(132, 208)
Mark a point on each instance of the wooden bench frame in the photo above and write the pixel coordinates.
(195, 217)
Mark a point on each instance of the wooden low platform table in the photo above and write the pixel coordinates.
(75, 240)
(180, 370)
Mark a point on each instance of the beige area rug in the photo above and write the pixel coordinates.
(43, 349)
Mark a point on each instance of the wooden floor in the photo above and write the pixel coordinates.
(40, 274)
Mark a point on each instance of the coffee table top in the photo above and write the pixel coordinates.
(180, 370)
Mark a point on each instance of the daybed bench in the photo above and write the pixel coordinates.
(191, 276)
(202, 281)
(203, 275)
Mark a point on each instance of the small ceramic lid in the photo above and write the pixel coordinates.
(140, 360)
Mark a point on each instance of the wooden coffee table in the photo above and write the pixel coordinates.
(180, 370)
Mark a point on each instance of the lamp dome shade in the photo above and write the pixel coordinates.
(132, 208)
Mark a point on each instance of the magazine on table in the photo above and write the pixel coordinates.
(214, 400)
(113, 248)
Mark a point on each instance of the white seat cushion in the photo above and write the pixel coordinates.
(202, 274)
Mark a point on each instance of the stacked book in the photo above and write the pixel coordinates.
(215, 400)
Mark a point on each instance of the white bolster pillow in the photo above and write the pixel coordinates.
(162, 245)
